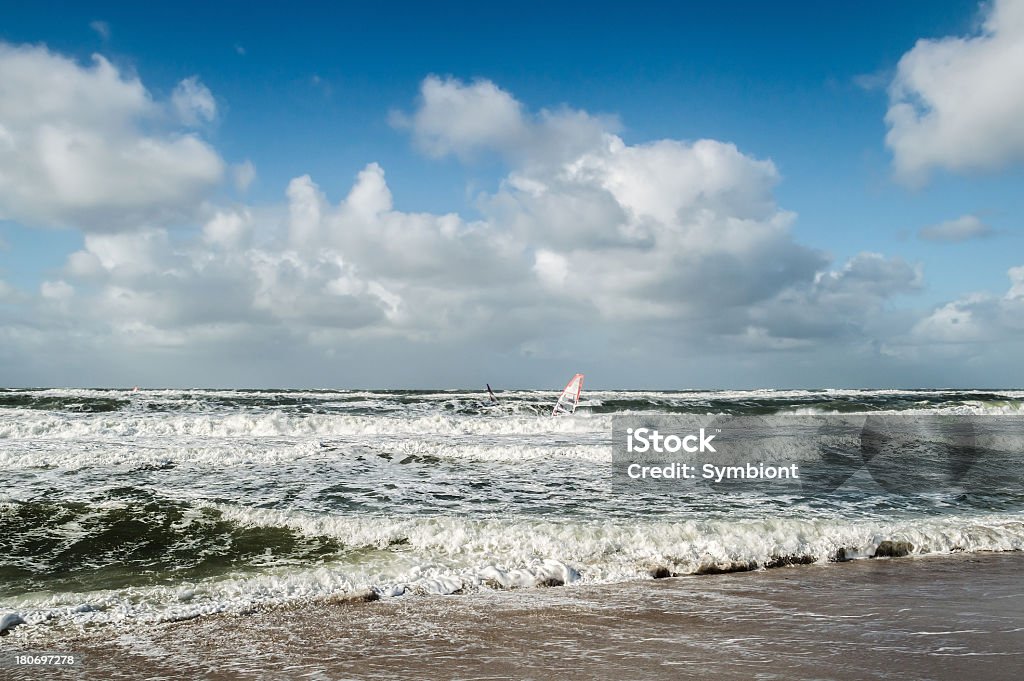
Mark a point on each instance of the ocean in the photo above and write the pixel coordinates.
(133, 508)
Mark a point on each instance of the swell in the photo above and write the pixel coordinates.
(523, 403)
(35, 424)
(65, 403)
(135, 539)
(27, 425)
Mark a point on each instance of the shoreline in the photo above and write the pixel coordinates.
(935, 617)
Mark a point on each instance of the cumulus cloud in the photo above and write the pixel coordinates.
(683, 236)
(845, 304)
(84, 145)
(145, 283)
(584, 245)
(228, 229)
(963, 228)
(454, 118)
(956, 103)
(466, 119)
(124, 256)
(962, 321)
(665, 230)
(56, 290)
(980, 319)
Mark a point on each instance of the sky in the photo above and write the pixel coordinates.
(711, 195)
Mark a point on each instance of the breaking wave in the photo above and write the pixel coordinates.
(156, 505)
(173, 567)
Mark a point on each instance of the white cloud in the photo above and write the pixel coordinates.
(551, 268)
(58, 290)
(82, 146)
(101, 28)
(874, 274)
(193, 102)
(243, 174)
(464, 120)
(667, 232)
(228, 229)
(370, 196)
(454, 118)
(1016, 291)
(962, 228)
(7, 292)
(957, 103)
(955, 322)
(978, 319)
(126, 255)
(847, 304)
(674, 182)
(878, 80)
(598, 244)
(305, 205)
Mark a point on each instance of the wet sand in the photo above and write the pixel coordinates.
(951, 617)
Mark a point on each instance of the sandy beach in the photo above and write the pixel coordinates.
(949, 617)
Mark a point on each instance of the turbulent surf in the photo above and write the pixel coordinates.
(148, 506)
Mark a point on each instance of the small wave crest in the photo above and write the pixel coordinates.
(33, 425)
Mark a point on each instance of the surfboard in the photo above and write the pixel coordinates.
(570, 396)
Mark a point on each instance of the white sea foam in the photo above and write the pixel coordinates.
(689, 545)
(23, 424)
(444, 555)
(227, 453)
(339, 459)
(30, 424)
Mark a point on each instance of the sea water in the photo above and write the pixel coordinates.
(157, 505)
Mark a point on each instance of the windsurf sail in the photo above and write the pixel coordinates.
(570, 397)
(491, 393)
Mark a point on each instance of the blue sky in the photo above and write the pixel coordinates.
(316, 90)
